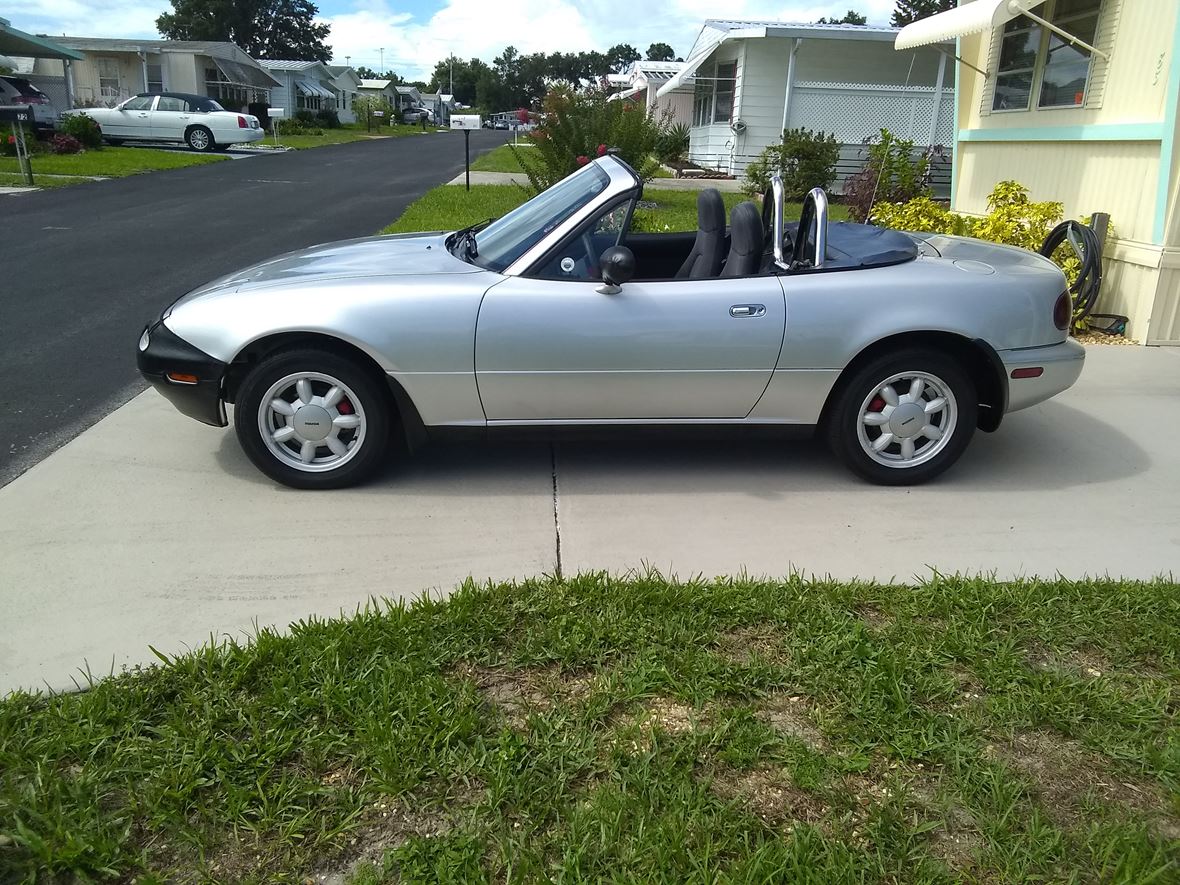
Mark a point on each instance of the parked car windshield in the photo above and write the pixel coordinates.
(508, 238)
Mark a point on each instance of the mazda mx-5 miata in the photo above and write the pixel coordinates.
(559, 315)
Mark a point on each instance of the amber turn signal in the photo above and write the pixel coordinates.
(182, 378)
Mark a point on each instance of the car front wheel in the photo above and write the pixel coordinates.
(904, 418)
(312, 419)
(200, 139)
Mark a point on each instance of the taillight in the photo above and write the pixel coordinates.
(1062, 311)
(242, 124)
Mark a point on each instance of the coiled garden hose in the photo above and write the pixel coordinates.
(1084, 242)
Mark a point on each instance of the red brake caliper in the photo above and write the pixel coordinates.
(877, 404)
(344, 407)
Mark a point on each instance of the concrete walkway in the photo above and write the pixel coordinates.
(725, 185)
(151, 528)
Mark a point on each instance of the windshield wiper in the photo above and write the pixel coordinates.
(466, 236)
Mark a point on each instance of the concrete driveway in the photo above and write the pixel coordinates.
(150, 528)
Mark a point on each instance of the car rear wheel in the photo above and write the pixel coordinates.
(904, 418)
(312, 419)
(200, 139)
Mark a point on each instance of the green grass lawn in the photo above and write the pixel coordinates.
(354, 132)
(450, 207)
(501, 159)
(111, 162)
(14, 179)
(644, 730)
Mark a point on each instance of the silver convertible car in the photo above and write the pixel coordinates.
(559, 315)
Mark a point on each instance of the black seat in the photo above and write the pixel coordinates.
(704, 261)
(745, 242)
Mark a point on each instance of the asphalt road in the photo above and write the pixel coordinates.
(83, 268)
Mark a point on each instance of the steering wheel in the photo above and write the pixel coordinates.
(593, 271)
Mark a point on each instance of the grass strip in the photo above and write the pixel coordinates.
(629, 729)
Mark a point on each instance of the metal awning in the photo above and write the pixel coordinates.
(244, 75)
(690, 66)
(307, 87)
(975, 18)
(14, 42)
(626, 93)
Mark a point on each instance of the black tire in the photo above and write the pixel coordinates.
(113, 142)
(931, 457)
(200, 139)
(372, 404)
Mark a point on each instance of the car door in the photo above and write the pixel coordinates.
(551, 346)
(170, 118)
(132, 119)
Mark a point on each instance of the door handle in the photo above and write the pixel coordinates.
(747, 310)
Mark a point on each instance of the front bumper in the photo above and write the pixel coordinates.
(166, 353)
(1061, 364)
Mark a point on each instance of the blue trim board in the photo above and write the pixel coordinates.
(955, 152)
(1106, 132)
(1168, 143)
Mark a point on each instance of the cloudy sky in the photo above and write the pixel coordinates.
(414, 34)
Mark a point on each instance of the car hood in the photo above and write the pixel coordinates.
(982, 257)
(391, 255)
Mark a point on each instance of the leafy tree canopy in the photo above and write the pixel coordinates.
(909, 11)
(660, 52)
(851, 17)
(274, 29)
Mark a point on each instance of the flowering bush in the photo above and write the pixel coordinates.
(83, 128)
(577, 126)
(804, 159)
(64, 144)
(895, 172)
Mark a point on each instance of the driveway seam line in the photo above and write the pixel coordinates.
(556, 512)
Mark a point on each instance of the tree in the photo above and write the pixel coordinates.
(851, 17)
(369, 74)
(909, 11)
(277, 29)
(660, 52)
(364, 106)
(621, 55)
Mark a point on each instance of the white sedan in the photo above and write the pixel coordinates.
(195, 120)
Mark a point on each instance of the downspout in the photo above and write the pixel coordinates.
(68, 70)
(790, 80)
(143, 67)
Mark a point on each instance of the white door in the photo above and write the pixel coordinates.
(132, 119)
(170, 118)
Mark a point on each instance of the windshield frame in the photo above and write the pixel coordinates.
(621, 178)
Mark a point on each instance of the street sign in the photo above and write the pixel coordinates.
(16, 114)
(465, 121)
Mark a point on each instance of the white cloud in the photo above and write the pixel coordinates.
(86, 18)
(482, 28)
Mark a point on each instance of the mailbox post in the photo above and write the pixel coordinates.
(466, 122)
(18, 116)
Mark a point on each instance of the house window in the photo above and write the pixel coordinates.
(1030, 54)
(726, 84)
(108, 77)
(712, 100)
(155, 78)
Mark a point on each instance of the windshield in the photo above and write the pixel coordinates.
(505, 240)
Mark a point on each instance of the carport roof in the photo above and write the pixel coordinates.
(14, 42)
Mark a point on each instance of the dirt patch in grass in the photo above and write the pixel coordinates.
(770, 794)
(744, 644)
(792, 715)
(876, 618)
(519, 693)
(1066, 773)
(1082, 662)
(636, 732)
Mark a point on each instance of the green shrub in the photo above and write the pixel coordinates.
(672, 144)
(804, 159)
(83, 128)
(328, 118)
(894, 173)
(286, 126)
(576, 127)
(305, 116)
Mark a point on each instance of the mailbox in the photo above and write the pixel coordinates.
(465, 121)
(16, 114)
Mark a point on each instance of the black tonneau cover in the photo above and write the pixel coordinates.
(861, 245)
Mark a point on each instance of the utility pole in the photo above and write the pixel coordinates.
(382, 51)
(348, 61)
(452, 73)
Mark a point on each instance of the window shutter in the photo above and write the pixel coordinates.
(1108, 23)
(993, 62)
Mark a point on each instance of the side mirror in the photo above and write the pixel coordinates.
(618, 266)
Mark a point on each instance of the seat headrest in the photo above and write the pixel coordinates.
(710, 211)
(746, 229)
